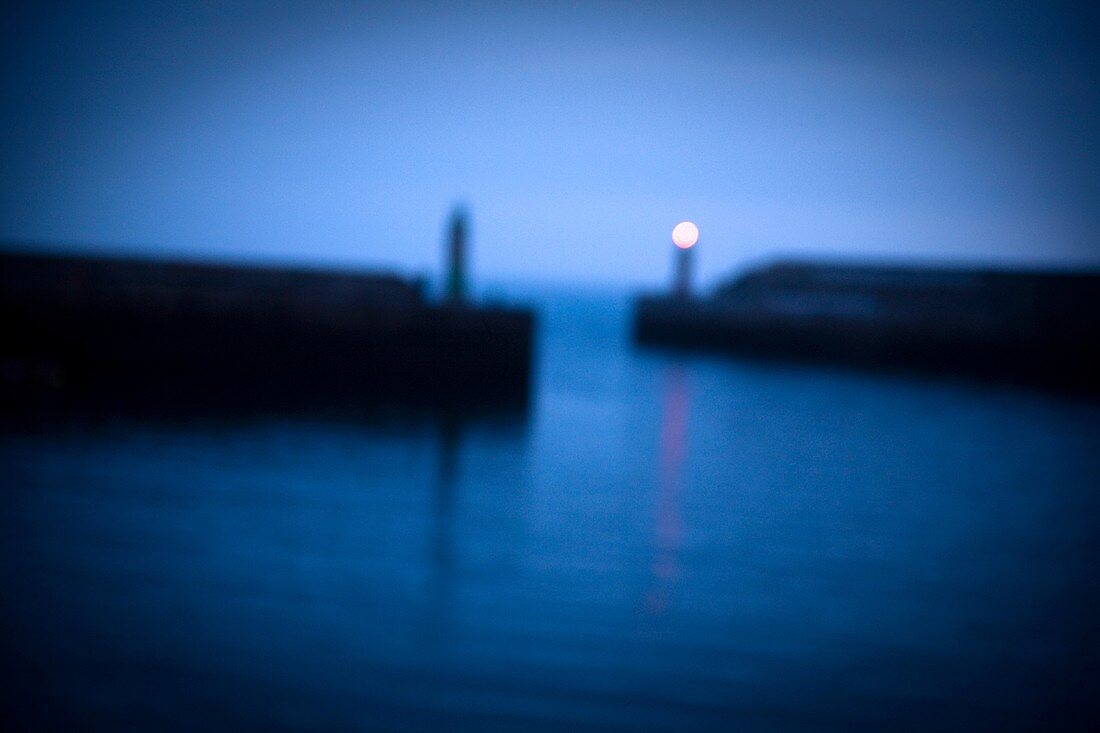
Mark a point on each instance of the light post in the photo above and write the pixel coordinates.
(684, 236)
(455, 287)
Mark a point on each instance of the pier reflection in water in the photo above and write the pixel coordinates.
(662, 542)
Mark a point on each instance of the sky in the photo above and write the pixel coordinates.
(577, 134)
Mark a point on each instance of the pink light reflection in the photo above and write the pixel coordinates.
(668, 521)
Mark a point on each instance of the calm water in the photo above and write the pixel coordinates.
(664, 542)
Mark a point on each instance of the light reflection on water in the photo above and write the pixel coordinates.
(663, 542)
(667, 520)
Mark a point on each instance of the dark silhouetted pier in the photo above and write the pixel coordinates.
(1029, 326)
(176, 331)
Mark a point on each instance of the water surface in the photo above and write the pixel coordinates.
(662, 542)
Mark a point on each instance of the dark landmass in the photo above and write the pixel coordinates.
(174, 334)
(1027, 326)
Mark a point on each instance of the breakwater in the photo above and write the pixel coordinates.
(1032, 326)
(81, 327)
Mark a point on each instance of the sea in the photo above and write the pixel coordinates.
(659, 541)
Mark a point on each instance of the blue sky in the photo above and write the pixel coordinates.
(578, 134)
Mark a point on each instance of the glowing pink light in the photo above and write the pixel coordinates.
(685, 234)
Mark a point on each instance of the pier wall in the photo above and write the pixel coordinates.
(169, 331)
(1030, 326)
